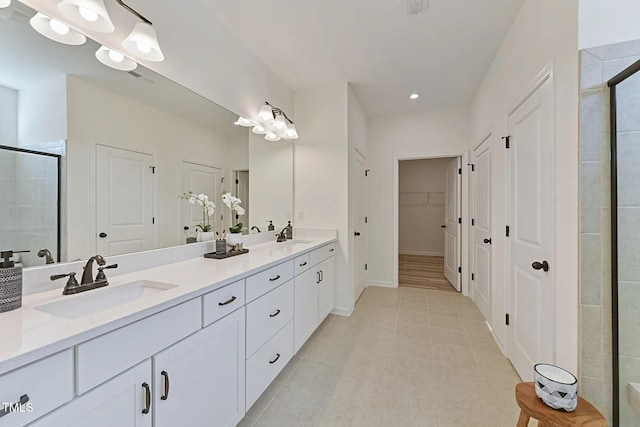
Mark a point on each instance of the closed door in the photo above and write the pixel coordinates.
(530, 283)
(482, 237)
(124, 201)
(452, 224)
(360, 224)
(305, 306)
(201, 179)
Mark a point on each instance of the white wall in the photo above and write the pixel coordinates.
(438, 133)
(321, 173)
(99, 116)
(526, 50)
(604, 22)
(42, 112)
(8, 116)
(420, 231)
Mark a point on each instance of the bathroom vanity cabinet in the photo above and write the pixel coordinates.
(201, 362)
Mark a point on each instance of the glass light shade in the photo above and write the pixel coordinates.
(89, 14)
(243, 122)
(259, 129)
(142, 43)
(56, 30)
(291, 132)
(272, 136)
(266, 113)
(115, 59)
(280, 124)
(5, 3)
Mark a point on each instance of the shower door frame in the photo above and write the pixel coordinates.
(613, 83)
(58, 158)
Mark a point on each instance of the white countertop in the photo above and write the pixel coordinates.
(29, 334)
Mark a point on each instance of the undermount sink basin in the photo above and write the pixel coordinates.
(98, 300)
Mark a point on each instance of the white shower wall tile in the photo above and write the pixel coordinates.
(628, 170)
(629, 373)
(629, 244)
(590, 197)
(628, 104)
(590, 71)
(591, 344)
(629, 318)
(613, 67)
(590, 269)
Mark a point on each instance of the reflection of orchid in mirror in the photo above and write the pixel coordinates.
(233, 203)
(208, 207)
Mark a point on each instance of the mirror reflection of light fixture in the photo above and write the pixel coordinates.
(114, 59)
(56, 30)
(89, 14)
(142, 41)
(5, 3)
(272, 122)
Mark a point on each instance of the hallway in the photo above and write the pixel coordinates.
(406, 357)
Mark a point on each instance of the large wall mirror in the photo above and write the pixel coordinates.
(92, 159)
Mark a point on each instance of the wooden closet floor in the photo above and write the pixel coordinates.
(425, 272)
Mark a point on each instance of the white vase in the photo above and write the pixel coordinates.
(205, 236)
(234, 238)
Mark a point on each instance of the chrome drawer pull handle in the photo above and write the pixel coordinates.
(275, 360)
(273, 279)
(165, 396)
(227, 302)
(331, 250)
(275, 314)
(303, 264)
(10, 407)
(147, 393)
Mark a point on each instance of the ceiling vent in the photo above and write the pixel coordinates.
(415, 7)
(141, 77)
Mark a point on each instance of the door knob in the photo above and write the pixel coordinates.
(443, 226)
(357, 233)
(487, 241)
(544, 265)
(102, 235)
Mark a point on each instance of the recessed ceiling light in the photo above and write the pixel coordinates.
(414, 96)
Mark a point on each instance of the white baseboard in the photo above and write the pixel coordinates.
(439, 254)
(382, 284)
(342, 311)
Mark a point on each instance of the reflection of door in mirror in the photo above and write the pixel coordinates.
(200, 179)
(242, 192)
(124, 202)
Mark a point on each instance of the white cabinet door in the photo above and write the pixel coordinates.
(327, 288)
(200, 380)
(120, 402)
(306, 306)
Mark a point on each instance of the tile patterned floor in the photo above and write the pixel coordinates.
(406, 357)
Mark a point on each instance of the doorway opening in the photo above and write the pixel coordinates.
(429, 223)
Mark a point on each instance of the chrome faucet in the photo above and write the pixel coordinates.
(256, 227)
(282, 236)
(46, 254)
(87, 275)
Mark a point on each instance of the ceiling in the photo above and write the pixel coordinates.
(385, 53)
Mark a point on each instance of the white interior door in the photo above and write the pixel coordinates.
(124, 201)
(530, 288)
(482, 239)
(201, 179)
(453, 217)
(360, 220)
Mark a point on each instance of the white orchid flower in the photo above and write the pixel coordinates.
(239, 210)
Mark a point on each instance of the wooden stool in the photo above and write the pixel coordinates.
(532, 407)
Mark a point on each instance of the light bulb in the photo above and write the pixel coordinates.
(258, 129)
(243, 122)
(291, 132)
(5, 3)
(266, 114)
(280, 124)
(116, 56)
(58, 27)
(271, 136)
(87, 14)
(143, 46)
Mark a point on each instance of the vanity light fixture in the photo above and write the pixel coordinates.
(56, 30)
(272, 122)
(142, 41)
(88, 14)
(114, 59)
(5, 3)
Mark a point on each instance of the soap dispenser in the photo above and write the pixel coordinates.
(271, 226)
(10, 282)
(289, 231)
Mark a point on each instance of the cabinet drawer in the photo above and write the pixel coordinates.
(331, 249)
(263, 282)
(264, 366)
(112, 353)
(302, 263)
(318, 255)
(41, 386)
(267, 315)
(219, 303)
